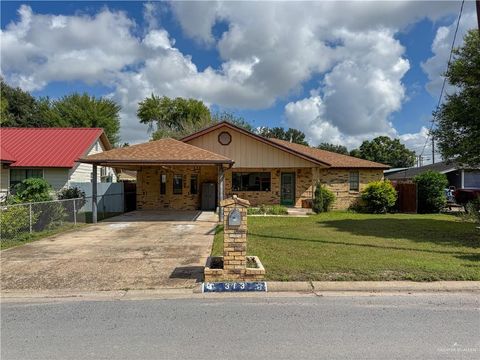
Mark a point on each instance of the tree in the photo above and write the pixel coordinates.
(19, 108)
(458, 124)
(232, 119)
(292, 135)
(340, 149)
(173, 117)
(77, 110)
(388, 151)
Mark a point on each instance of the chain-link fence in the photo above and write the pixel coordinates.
(17, 221)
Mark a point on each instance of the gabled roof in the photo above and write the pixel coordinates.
(256, 137)
(335, 160)
(322, 157)
(442, 167)
(164, 151)
(48, 147)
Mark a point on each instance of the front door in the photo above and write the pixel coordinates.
(287, 186)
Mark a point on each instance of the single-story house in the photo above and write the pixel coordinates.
(50, 153)
(222, 160)
(460, 176)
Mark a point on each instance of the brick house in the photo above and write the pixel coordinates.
(222, 160)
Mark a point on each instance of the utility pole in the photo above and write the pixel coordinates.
(433, 150)
(478, 14)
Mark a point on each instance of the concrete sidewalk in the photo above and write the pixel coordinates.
(275, 288)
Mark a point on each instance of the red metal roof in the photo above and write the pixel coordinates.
(5, 156)
(47, 147)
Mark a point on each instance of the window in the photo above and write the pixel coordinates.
(18, 175)
(163, 184)
(224, 138)
(193, 184)
(259, 181)
(177, 184)
(354, 180)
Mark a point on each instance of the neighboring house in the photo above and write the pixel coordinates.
(50, 153)
(459, 176)
(224, 159)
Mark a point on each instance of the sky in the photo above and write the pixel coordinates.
(342, 72)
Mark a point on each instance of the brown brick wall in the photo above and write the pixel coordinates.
(303, 182)
(337, 180)
(148, 187)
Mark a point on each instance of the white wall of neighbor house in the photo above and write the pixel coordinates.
(56, 177)
(4, 181)
(83, 172)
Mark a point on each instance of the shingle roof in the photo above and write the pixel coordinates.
(321, 157)
(163, 151)
(333, 159)
(410, 173)
(48, 147)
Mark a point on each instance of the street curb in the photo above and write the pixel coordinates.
(376, 286)
(279, 287)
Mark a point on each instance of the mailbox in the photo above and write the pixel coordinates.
(234, 218)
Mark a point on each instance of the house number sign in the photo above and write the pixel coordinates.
(235, 218)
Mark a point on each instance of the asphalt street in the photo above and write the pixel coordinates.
(426, 326)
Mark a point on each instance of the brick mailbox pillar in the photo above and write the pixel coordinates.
(236, 265)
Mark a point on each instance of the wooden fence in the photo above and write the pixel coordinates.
(407, 197)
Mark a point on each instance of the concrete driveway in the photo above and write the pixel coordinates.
(137, 250)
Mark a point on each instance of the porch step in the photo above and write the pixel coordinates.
(299, 211)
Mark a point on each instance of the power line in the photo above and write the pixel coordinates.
(444, 80)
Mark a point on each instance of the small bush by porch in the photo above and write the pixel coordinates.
(349, 246)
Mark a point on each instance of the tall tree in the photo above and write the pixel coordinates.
(388, 151)
(20, 109)
(292, 135)
(458, 118)
(87, 111)
(173, 117)
(233, 119)
(340, 149)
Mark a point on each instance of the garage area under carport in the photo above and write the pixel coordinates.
(138, 250)
(170, 174)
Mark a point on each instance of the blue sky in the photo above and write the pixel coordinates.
(339, 78)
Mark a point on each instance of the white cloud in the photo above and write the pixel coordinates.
(43, 48)
(436, 65)
(268, 52)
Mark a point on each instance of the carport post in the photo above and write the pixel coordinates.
(221, 190)
(94, 194)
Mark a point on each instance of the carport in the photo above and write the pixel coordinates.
(171, 175)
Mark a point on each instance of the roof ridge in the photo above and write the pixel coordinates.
(249, 133)
(331, 153)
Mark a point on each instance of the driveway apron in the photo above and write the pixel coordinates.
(137, 250)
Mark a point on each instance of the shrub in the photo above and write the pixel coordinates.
(268, 210)
(14, 220)
(31, 190)
(379, 197)
(431, 191)
(72, 193)
(472, 209)
(323, 199)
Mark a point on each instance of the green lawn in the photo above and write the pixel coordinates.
(348, 246)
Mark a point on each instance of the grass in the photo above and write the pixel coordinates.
(349, 246)
(26, 238)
